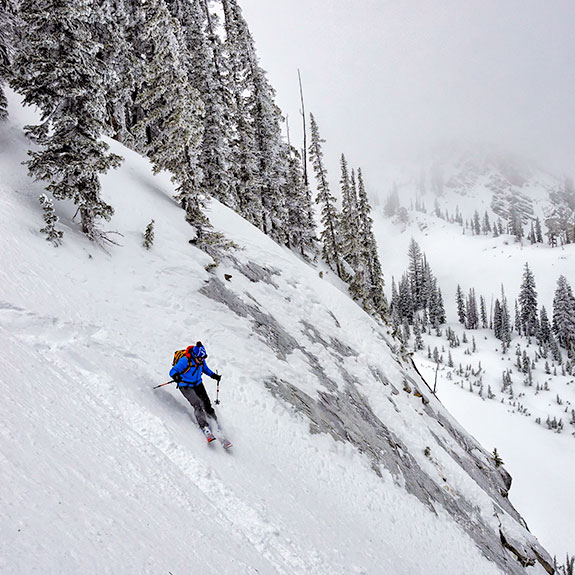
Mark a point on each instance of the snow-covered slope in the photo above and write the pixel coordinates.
(343, 461)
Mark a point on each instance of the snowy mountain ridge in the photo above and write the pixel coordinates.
(452, 181)
(101, 474)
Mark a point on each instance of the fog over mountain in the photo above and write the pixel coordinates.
(386, 79)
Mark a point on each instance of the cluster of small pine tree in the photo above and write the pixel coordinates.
(417, 300)
(529, 321)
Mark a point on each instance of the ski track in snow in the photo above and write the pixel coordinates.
(67, 342)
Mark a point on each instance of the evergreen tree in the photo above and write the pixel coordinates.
(171, 127)
(405, 301)
(149, 235)
(497, 458)
(440, 313)
(486, 227)
(564, 316)
(58, 71)
(416, 274)
(330, 237)
(538, 234)
(483, 312)
(471, 314)
(205, 66)
(301, 228)
(374, 299)
(505, 322)
(528, 303)
(497, 319)
(435, 304)
(265, 118)
(544, 333)
(350, 225)
(476, 224)
(6, 49)
(245, 169)
(116, 32)
(460, 305)
(50, 219)
(502, 322)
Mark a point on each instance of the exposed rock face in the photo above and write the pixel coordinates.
(339, 407)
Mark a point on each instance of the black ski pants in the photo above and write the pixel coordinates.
(199, 400)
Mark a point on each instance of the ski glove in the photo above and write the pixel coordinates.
(216, 376)
(177, 377)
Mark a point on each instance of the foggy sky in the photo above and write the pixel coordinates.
(387, 77)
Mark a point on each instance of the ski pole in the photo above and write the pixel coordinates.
(162, 384)
(218, 392)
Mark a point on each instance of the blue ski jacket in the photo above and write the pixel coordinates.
(193, 376)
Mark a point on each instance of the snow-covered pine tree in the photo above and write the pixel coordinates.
(460, 300)
(394, 307)
(538, 233)
(528, 303)
(57, 70)
(471, 314)
(330, 233)
(114, 31)
(350, 224)
(265, 118)
(369, 258)
(50, 219)
(6, 50)
(497, 323)
(440, 313)
(486, 225)
(416, 274)
(517, 322)
(405, 305)
(476, 224)
(271, 155)
(244, 161)
(205, 68)
(301, 227)
(483, 312)
(544, 333)
(564, 316)
(170, 131)
(149, 235)
(505, 322)
(435, 304)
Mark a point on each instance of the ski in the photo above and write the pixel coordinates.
(225, 443)
(208, 434)
(210, 437)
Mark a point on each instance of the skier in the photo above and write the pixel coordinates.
(187, 373)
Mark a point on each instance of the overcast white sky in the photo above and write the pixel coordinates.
(386, 76)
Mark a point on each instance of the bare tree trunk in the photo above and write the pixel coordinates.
(304, 155)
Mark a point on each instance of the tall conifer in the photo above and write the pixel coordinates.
(528, 303)
(58, 71)
(330, 218)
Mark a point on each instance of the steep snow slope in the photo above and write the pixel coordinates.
(330, 473)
